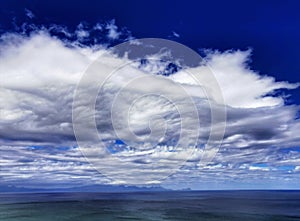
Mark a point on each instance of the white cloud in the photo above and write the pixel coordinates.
(39, 74)
(258, 168)
(82, 32)
(112, 30)
(241, 86)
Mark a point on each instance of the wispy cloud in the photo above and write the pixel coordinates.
(112, 30)
(175, 34)
(29, 13)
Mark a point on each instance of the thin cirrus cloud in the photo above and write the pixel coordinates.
(29, 13)
(40, 72)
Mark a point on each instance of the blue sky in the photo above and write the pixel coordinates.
(251, 46)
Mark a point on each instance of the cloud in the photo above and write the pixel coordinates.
(241, 86)
(112, 30)
(81, 32)
(29, 13)
(150, 112)
(100, 35)
(27, 166)
(175, 34)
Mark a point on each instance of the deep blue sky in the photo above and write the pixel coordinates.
(270, 28)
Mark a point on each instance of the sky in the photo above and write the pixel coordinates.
(75, 112)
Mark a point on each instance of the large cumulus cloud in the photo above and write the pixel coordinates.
(39, 74)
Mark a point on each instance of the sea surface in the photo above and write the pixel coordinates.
(189, 205)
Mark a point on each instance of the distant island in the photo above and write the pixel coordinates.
(90, 188)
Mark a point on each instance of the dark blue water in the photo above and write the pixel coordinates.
(208, 205)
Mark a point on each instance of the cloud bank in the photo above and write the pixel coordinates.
(39, 75)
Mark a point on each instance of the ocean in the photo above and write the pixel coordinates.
(156, 206)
